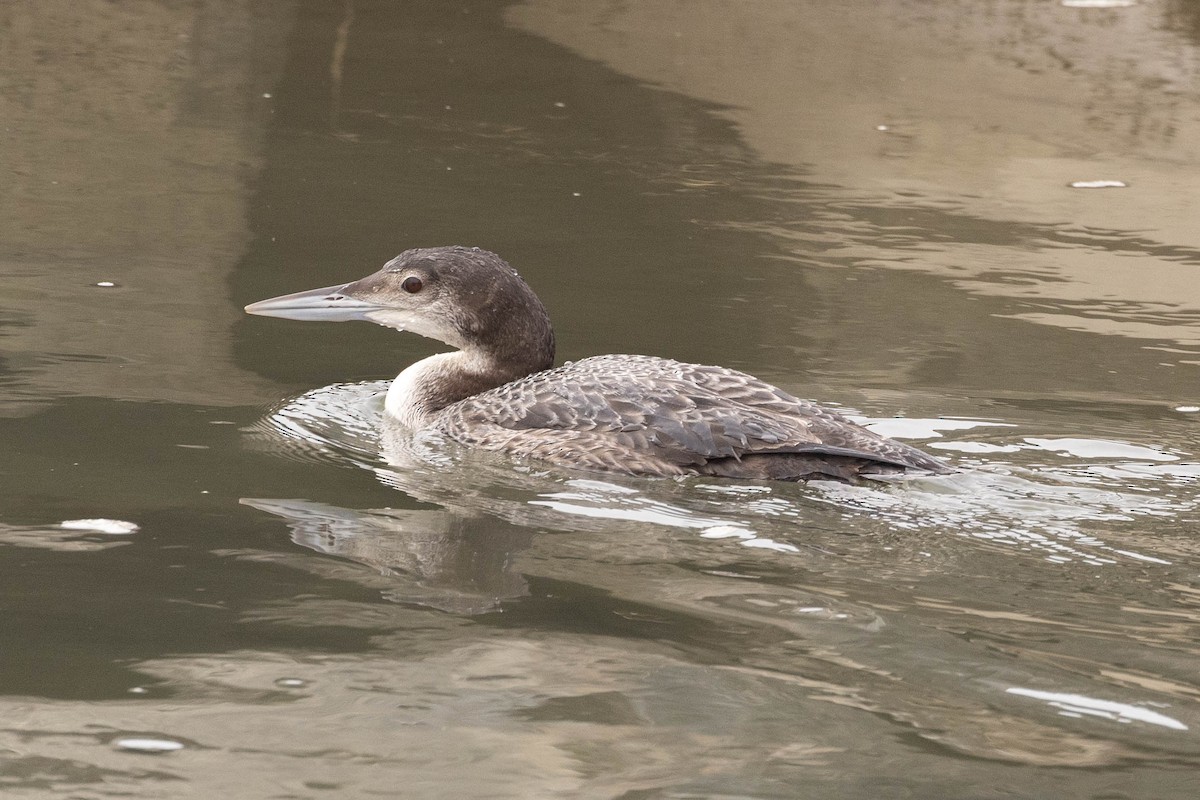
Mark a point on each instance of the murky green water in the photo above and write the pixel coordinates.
(868, 204)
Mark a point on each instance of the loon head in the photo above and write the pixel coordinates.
(469, 298)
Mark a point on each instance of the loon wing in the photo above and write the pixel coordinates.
(655, 416)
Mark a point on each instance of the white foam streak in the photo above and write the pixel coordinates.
(1073, 704)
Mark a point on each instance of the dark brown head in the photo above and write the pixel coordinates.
(463, 296)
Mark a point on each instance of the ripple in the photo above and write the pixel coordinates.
(1033, 508)
(113, 527)
(1078, 705)
(147, 745)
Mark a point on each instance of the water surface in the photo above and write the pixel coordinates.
(867, 204)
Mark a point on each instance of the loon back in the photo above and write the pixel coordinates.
(654, 416)
(616, 413)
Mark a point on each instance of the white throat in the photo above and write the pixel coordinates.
(412, 399)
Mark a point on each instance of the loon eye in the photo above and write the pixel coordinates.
(412, 284)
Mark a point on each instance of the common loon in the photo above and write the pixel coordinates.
(638, 415)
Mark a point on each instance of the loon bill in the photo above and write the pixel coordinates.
(638, 415)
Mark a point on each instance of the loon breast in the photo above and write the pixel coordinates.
(632, 414)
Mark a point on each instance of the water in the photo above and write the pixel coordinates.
(225, 576)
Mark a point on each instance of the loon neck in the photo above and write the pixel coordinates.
(428, 386)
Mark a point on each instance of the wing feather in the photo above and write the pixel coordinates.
(655, 416)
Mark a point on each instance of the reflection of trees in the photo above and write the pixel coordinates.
(136, 177)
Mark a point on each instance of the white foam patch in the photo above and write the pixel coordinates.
(149, 745)
(976, 447)
(655, 513)
(1101, 448)
(726, 532)
(114, 527)
(1099, 3)
(1076, 704)
(917, 428)
(770, 544)
(1141, 556)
